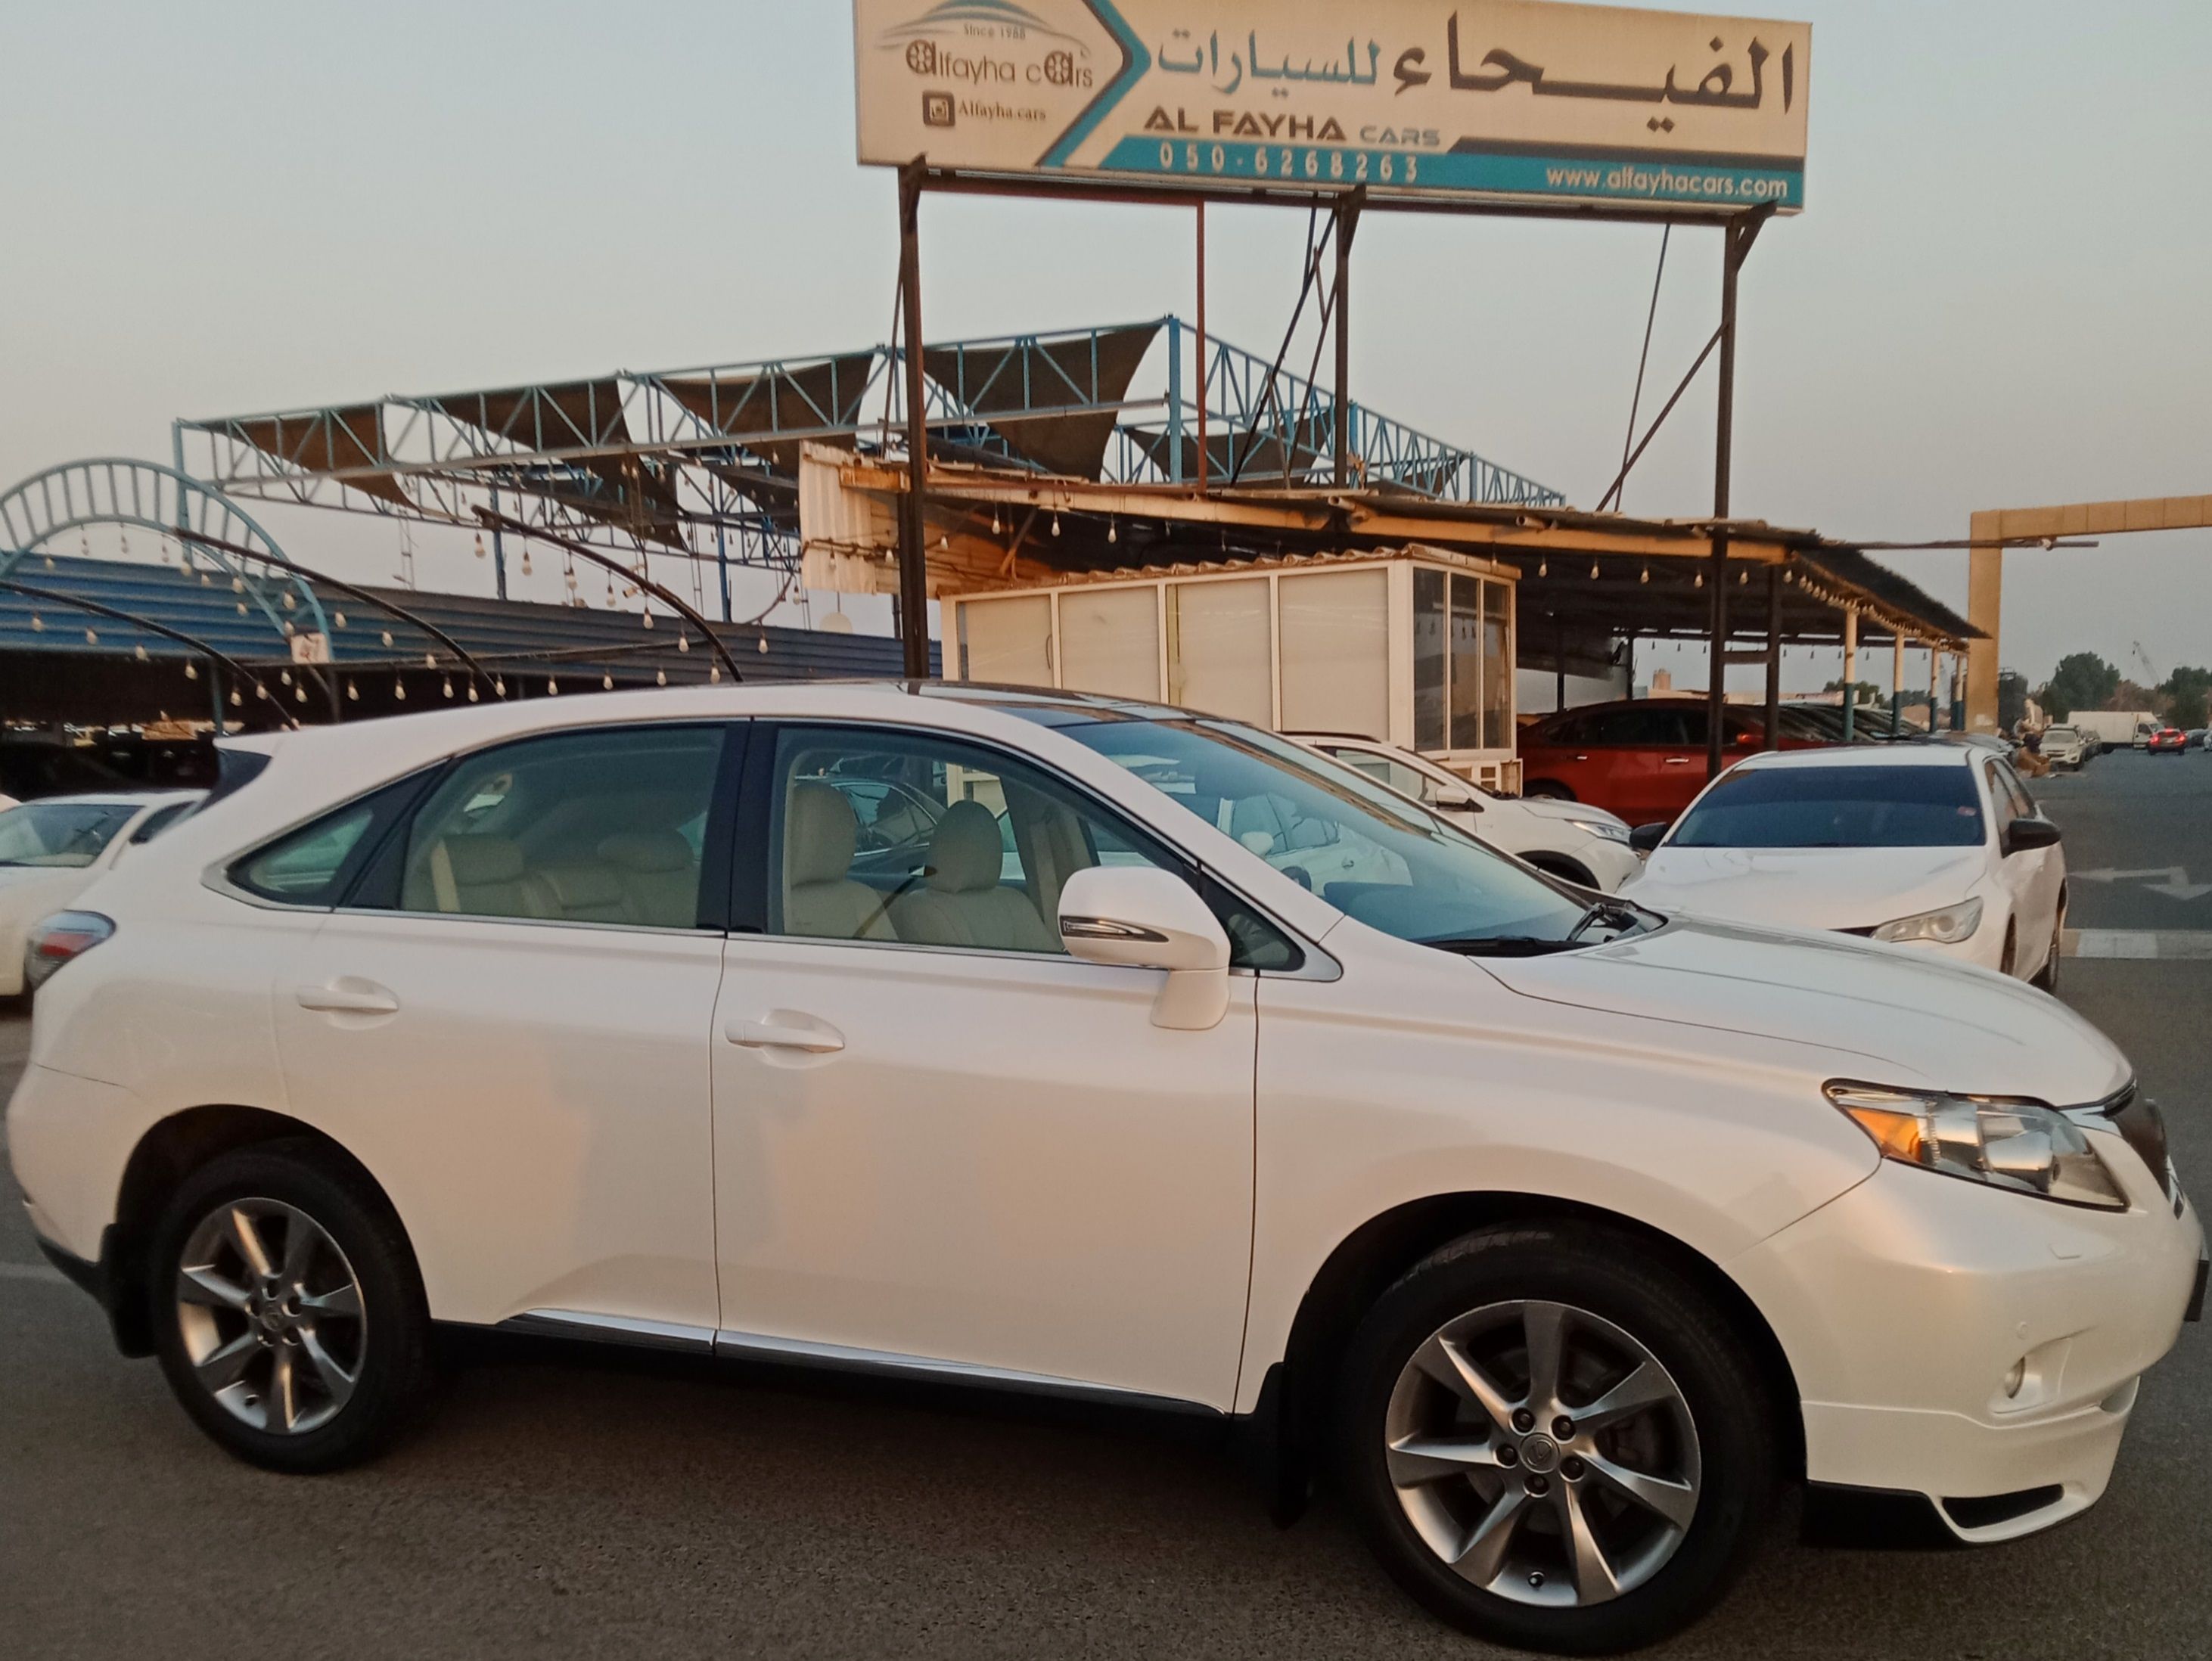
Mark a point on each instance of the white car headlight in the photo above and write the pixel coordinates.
(1947, 927)
(2021, 1145)
(1611, 832)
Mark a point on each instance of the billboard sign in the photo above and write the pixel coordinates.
(1517, 100)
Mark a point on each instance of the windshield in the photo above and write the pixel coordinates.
(1366, 850)
(1873, 807)
(64, 835)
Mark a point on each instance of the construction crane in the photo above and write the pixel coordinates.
(2151, 677)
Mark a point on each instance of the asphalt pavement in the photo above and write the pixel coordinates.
(579, 1502)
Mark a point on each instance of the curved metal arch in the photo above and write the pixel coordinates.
(122, 490)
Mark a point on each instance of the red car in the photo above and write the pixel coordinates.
(2169, 738)
(1643, 759)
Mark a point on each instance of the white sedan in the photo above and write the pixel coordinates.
(51, 849)
(1569, 839)
(1564, 1230)
(1937, 846)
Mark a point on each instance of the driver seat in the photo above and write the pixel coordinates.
(965, 904)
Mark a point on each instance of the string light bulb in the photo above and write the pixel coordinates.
(1055, 524)
(338, 619)
(1543, 567)
(386, 637)
(92, 637)
(714, 674)
(1646, 576)
(192, 671)
(1113, 531)
(552, 688)
(38, 624)
(606, 683)
(472, 692)
(399, 690)
(353, 692)
(139, 652)
(1593, 570)
(649, 620)
(499, 685)
(480, 547)
(683, 643)
(447, 686)
(660, 677)
(234, 699)
(525, 561)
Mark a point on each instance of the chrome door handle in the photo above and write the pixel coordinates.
(815, 1040)
(347, 1000)
(1678, 762)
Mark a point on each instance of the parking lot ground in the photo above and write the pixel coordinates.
(576, 1502)
(2138, 856)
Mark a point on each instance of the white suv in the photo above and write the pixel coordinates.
(1561, 1231)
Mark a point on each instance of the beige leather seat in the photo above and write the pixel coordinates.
(964, 904)
(659, 877)
(821, 901)
(586, 893)
(478, 877)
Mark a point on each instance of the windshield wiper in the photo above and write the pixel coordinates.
(1618, 913)
(1504, 945)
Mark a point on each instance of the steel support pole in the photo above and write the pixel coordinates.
(1896, 679)
(914, 554)
(498, 552)
(1934, 686)
(1203, 465)
(1773, 657)
(1850, 673)
(1347, 222)
(1733, 250)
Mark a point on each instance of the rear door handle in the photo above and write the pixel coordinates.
(359, 998)
(815, 1038)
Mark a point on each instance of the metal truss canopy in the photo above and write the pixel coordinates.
(703, 462)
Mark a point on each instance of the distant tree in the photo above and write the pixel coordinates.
(2188, 696)
(1862, 692)
(2133, 694)
(2084, 681)
(2012, 698)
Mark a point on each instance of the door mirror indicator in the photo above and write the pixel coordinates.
(2023, 836)
(1141, 918)
(1646, 837)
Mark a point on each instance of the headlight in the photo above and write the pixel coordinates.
(1599, 827)
(1945, 928)
(2021, 1145)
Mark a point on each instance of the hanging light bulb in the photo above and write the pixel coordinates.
(1543, 567)
(1646, 576)
(234, 699)
(1700, 582)
(552, 688)
(525, 562)
(399, 690)
(996, 528)
(337, 619)
(714, 674)
(92, 637)
(50, 562)
(499, 685)
(1593, 570)
(139, 652)
(606, 683)
(764, 645)
(447, 686)
(206, 581)
(660, 677)
(288, 630)
(353, 692)
(1055, 524)
(242, 608)
(649, 620)
(291, 601)
(1113, 531)
(386, 637)
(298, 694)
(238, 585)
(285, 676)
(430, 660)
(261, 690)
(38, 624)
(683, 643)
(192, 671)
(472, 692)
(480, 547)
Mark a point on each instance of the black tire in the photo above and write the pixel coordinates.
(389, 1348)
(1547, 789)
(1621, 1280)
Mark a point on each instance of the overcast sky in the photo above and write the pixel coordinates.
(1997, 296)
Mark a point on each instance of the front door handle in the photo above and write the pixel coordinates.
(815, 1038)
(348, 998)
(1678, 761)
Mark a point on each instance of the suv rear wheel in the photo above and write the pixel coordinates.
(288, 1312)
(1554, 1441)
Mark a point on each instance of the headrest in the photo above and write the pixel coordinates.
(645, 853)
(480, 858)
(819, 833)
(965, 855)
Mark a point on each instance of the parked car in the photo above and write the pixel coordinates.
(1639, 759)
(1583, 845)
(2197, 736)
(52, 850)
(1936, 846)
(2064, 747)
(2168, 741)
(1561, 1227)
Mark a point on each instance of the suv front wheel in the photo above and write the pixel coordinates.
(1554, 1441)
(289, 1311)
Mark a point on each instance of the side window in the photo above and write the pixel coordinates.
(2013, 799)
(596, 826)
(921, 839)
(318, 864)
(154, 823)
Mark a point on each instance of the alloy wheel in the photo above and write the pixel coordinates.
(271, 1315)
(1543, 1453)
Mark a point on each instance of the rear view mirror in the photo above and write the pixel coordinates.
(2023, 836)
(1139, 916)
(1645, 838)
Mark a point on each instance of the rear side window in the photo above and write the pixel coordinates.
(315, 864)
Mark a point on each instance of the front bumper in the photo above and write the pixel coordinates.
(1905, 1305)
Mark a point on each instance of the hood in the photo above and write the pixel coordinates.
(1806, 888)
(1917, 1019)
